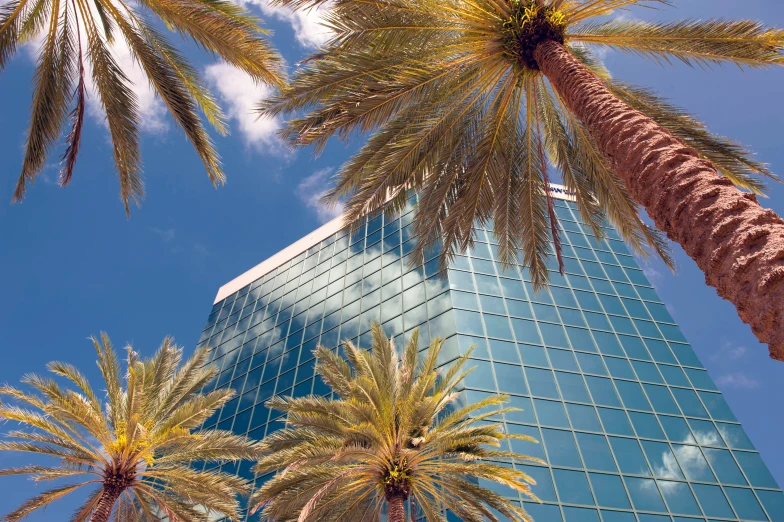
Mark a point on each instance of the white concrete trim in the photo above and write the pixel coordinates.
(318, 235)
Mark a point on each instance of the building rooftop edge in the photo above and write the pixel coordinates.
(321, 233)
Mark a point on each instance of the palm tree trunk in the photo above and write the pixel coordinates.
(105, 504)
(397, 508)
(737, 244)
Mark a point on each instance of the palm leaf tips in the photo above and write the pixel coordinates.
(222, 28)
(397, 432)
(456, 108)
(135, 446)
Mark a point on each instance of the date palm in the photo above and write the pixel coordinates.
(393, 435)
(76, 34)
(135, 447)
(469, 100)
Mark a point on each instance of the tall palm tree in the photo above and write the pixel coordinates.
(469, 99)
(136, 446)
(77, 33)
(393, 435)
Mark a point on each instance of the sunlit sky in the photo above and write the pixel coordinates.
(72, 265)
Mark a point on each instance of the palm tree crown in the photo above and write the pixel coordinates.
(393, 435)
(137, 445)
(76, 33)
(462, 112)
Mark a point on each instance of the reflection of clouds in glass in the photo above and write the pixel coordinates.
(693, 463)
(667, 466)
(705, 433)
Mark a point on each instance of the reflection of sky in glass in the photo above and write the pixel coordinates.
(571, 357)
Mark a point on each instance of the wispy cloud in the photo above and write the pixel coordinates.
(240, 96)
(737, 380)
(308, 24)
(166, 235)
(729, 352)
(311, 189)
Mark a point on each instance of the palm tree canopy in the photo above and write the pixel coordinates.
(139, 438)
(394, 431)
(459, 110)
(80, 33)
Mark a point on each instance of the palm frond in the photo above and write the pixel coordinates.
(745, 43)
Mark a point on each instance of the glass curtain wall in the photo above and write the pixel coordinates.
(630, 423)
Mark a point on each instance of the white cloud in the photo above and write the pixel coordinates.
(152, 110)
(310, 190)
(729, 352)
(307, 24)
(240, 96)
(737, 380)
(166, 235)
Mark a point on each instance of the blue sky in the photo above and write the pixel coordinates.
(71, 265)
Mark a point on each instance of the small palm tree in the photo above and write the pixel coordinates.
(393, 435)
(469, 101)
(137, 445)
(78, 32)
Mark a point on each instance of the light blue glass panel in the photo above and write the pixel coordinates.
(676, 429)
(572, 487)
(497, 326)
(629, 456)
(705, 433)
(533, 355)
(755, 469)
(609, 491)
(679, 497)
(774, 504)
(468, 322)
(572, 387)
(544, 483)
(745, 504)
(591, 363)
(561, 449)
(724, 466)
(562, 359)
(526, 413)
(524, 447)
(615, 422)
(619, 368)
(617, 516)
(526, 331)
(661, 399)
(646, 425)
(602, 391)
(583, 417)
(542, 383)
(661, 459)
(595, 451)
(575, 514)
(550, 413)
(693, 463)
(713, 501)
(645, 495)
(632, 395)
(539, 512)
(717, 406)
(735, 436)
(689, 403)
(700, 379)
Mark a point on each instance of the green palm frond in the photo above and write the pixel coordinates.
(141, 435)
(222, 28)
(455, 107)
(393, 432)
(711, 42)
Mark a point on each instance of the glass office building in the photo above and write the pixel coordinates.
(631, 425)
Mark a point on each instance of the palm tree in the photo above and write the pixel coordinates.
(77, 33)
(136, 446)
(393, 435)
(469, 99)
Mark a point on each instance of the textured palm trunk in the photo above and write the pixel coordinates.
(737, 244)
(105, 504)
(397, 508)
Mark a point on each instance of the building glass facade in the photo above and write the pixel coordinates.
(631, 425)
